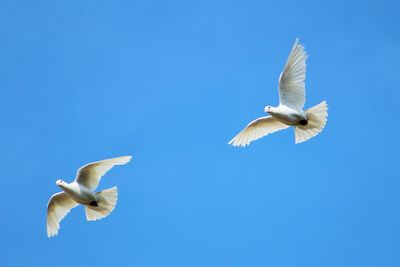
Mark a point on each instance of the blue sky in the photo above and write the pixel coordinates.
(171, 82)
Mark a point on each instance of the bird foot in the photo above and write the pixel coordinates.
(303, 122)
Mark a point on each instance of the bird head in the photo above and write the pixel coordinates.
(60, 182)
(268, 109)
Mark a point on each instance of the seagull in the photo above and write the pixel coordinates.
(81, 191)
(307, 123)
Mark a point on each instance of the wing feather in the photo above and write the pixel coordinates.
(90, 174)
(292, 79)
(58, 207)
(257, 129)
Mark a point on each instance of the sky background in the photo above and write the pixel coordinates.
(170, 83)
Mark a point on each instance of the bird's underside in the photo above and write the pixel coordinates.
(288, 116)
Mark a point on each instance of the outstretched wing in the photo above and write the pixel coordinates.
(58, 207)
(90, 174)
(291, 80)
(257, 129)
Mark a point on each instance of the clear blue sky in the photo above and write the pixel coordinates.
(171, 82)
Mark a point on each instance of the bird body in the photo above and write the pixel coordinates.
(287, 115)
(81, 194)
(82, 191)
(307, 123)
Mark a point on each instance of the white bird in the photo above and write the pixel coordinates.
(81, 191)
(290, 111)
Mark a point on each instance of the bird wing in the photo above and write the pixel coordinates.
(257, 129)
(58, 207)
(291, 80)
(90, 174)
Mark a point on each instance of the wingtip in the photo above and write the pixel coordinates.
(52, 231)
(126, 159)
(238, 141)
(50, 235)
(235, 144)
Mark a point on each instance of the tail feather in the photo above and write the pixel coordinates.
(106, 202)
(317, 117)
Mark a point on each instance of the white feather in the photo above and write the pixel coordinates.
(257, 129)
(291, 80)
(317, 117)
(90, 174)
(58, 207)
(107, 200)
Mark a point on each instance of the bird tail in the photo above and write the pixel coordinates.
(106, 201)
(317, 117)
